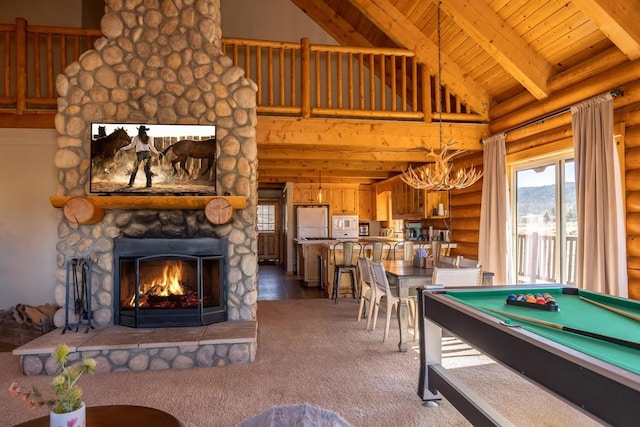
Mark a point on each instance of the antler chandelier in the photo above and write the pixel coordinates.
(438, 176)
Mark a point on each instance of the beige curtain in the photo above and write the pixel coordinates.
(601, 252)
(494, 248)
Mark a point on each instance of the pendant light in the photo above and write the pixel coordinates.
(436, 176)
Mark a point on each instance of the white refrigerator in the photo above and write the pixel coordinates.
(312, 221)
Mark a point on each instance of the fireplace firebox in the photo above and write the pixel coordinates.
(169, 282)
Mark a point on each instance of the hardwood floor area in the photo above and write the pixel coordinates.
(274, 284)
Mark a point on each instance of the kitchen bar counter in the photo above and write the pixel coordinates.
(329, 256)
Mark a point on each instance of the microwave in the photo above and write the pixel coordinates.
(344, 226)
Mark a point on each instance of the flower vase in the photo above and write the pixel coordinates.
(76, 418)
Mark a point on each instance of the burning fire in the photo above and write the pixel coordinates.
(167, 285)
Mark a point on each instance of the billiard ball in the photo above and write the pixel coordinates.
(531, 298)
(511, 297)
(540, 300)
(521, 298)
(551, 302)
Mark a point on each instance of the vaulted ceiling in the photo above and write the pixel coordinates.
(496, 55)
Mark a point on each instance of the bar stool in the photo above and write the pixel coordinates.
(377, 250)
(407, 250)
(346, 266)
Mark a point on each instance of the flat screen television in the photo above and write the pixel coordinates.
(175, 159)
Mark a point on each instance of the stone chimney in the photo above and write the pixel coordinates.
(159, 62)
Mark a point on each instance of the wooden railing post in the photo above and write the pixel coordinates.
(425, 84)
(305, 77)
(21, 65)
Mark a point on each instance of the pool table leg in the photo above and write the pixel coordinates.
(430, 351)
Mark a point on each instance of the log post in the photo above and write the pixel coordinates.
(305, 77)
(82, 210)
(21, 65)
(218, 211)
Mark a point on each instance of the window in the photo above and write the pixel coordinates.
(545, 226)
(266, 218)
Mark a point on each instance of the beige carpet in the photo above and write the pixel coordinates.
(311, 351)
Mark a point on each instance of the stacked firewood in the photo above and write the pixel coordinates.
(33, 315)
(21, 323)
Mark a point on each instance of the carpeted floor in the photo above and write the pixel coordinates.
(311, 351)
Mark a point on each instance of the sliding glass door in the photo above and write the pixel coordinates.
(545, 231)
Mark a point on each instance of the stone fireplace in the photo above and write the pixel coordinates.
(170, 282)
(160, 62)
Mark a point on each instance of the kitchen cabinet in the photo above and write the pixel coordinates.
(381, 209)
(410, 203)
(365, 204)
(307, 194)
(344, 201)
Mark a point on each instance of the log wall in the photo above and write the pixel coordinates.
(632, 184)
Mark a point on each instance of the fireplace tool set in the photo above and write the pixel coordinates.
(78, 294)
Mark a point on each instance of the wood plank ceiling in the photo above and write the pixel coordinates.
(497, 56)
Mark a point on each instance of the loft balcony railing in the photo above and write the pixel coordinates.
(293, 79)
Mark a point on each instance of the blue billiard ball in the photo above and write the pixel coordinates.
(511, 297)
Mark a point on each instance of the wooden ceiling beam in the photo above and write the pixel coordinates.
(348, 176)
(329, 154)
(364, 134)
(332, 23)
(513, 53)
(406, 35)
(618, 20)
(330, 165)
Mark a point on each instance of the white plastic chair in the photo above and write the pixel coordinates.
(467, 262)
(457, 276)
(450, 277)
(382, 290)
(367, 292)
(453, 260)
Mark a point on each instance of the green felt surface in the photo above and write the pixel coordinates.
(574, 313)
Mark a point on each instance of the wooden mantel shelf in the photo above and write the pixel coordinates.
(152, 202)
(90, 209)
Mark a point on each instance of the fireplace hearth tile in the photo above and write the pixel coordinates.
(230, 332)
(47, 343)
(115, 338)
(172, 337)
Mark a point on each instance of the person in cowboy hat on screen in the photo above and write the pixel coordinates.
(144, 145)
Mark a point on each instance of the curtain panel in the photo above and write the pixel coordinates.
(601, 251)
(494, 247)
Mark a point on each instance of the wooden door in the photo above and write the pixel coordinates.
(269, 235)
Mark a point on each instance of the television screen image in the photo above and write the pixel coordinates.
(150, 158)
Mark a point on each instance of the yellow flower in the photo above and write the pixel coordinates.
(58, 381)
(61, 354)
(89, 364)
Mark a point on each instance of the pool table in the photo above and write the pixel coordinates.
(599, 377)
